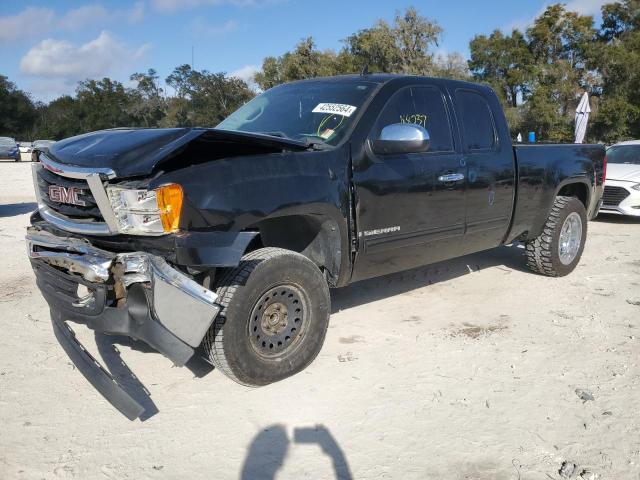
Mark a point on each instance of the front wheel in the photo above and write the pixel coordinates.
(557, 251)
(273, 320)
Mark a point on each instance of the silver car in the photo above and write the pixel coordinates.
(9, 149)
(40, 145)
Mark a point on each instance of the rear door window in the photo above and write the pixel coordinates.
(422, 106)
(476, 119)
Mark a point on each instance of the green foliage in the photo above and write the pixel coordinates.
(539, 75)
(505, 62)
(617, 58)
(305, 61)
(404, 47)
(17, 112)
(202, 98)
(148, 104)
(57, 120)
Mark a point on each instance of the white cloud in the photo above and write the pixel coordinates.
(169, 6)
(200, 26)
(25, 24)
(247, 73)
(83, 16)
(59, 58)
(136, 14)
(583, 7)
(39, 22)
(587, 7)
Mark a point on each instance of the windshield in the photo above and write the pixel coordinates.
(316, 111)
(629, 154)
(7, 142)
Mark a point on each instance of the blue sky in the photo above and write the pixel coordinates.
(46, 47)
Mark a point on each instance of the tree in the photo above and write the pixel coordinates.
(216, 96)
(404, 47)
(539, 76)
(451, 65)
(203, 98)
(559, 41)
(505, 62)
(103, 104)
(58, 119)
(148, 104)
(616, 56)
(17, 111)
(305, 61)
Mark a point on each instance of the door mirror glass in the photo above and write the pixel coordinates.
(402, 138)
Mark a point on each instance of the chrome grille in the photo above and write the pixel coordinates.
(614, 195)
(46, 179)
(94, 216)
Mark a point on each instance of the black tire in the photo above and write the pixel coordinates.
(296, 293)
(543, 253)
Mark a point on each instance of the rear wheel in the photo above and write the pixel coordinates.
(557, 251)
(273, 320)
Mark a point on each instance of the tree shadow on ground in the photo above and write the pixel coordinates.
(14, 209)
(268, 451)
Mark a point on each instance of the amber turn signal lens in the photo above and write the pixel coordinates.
(169, 198)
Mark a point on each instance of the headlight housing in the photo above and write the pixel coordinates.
(636, 187)
(146, 212)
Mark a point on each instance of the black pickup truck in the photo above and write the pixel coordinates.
(228, 239)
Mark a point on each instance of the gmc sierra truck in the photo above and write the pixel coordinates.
(227, 240)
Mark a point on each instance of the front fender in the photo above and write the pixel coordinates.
(212, 249)
(229, 200)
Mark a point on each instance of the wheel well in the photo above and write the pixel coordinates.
(316, 237)
(578, 190)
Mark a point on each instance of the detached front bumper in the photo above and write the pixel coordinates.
(134, 294)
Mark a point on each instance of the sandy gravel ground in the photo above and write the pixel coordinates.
(464, 370)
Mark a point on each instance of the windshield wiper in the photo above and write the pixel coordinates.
(275, 134)
(310, 143)
(316, 144)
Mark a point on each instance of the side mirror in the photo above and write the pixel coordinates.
(402, 138)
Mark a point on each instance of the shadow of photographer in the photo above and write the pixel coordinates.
(268, 451)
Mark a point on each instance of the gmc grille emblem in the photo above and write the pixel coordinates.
(66, 195)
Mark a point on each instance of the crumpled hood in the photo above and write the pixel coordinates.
(135, 152)
(623, 171)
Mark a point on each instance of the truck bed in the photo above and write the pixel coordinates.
(543, 171)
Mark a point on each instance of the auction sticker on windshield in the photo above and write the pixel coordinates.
(335, 109)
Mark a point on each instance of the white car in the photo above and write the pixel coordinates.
(622, 186)
(25, 147)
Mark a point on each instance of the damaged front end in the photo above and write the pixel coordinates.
(135, 294)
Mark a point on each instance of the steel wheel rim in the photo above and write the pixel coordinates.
(277, 321)
(570, 238)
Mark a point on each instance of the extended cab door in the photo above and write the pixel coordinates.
(488, 153)
(410, 208)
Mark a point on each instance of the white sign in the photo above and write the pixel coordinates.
(335, 109)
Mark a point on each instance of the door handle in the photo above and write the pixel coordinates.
(451, 177)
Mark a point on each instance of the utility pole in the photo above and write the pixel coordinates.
(191, 57)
